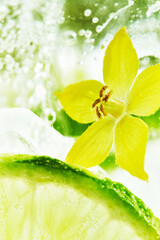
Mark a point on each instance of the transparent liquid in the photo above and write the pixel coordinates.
(46, 45)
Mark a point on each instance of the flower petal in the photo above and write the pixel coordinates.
(120, 65)
(130, 145)
(144, 98)
(77, 100)
(93, 145)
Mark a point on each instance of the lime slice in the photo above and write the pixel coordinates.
(44, 198)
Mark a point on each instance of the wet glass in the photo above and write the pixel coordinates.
(46, 45)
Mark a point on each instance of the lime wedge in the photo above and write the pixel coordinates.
(44, 198)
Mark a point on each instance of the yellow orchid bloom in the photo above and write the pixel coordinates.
(111, 106)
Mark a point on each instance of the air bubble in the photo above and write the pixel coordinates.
(130, 2)
(61, 20)
(81, 62)
(30, 85)
(70, 37)
(91, 40)
(145, 60)
(1, 65)
(38, 67)
(88, 34)
(81, 32)
(87, 12)
(99, 28)
(95, 20)
(50, 115)
(111, 15)
(18, 207)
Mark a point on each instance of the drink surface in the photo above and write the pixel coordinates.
(44, 198)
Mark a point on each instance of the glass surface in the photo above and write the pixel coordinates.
(46, 45)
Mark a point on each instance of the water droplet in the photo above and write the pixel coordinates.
(95, 20)
(87, 12)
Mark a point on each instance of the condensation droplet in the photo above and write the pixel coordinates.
(87, 12)
(95, 20)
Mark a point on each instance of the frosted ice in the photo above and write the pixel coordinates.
(13, 143)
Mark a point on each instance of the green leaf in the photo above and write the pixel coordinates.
(109, 163)
(67, 126)
(153, 123)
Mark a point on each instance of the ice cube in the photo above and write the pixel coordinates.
(21, 124)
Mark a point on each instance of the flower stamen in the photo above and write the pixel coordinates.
(98, 112)
(102, 91)
(107, 96)
(96, 102)
(102, 110)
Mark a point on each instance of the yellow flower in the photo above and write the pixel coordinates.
(111, 107)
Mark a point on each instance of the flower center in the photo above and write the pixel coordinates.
(106, 105)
